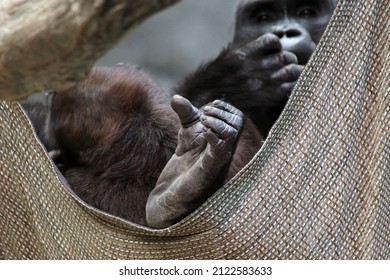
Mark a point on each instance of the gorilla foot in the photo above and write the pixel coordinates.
(206, 142)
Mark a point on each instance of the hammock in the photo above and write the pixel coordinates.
(318, 189)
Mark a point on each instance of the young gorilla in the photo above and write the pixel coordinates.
(114, 133)
(273, 41)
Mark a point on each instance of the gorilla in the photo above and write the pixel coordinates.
(257, 71)
(126, 149)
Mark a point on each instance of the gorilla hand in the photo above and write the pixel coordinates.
(257, 78)
(259, 74)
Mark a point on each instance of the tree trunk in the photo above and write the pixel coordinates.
(47, 45)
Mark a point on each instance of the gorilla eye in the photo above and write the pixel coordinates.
(307, 12)
(263, 17)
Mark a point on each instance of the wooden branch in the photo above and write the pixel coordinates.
(46, 45)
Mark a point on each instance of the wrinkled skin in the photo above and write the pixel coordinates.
(273, 41)
(205, 145)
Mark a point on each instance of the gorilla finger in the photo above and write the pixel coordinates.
(265, 44)
(288, 73)
(219, 148)
(289, 57)
(227, 107)
(288, 87)
(219, 127)
(211, 138)
(234, 119)
(273, 62)
(187, 113)
(265, 65)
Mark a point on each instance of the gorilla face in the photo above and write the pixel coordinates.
(298, 23)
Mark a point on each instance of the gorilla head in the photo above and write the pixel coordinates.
(298, 23)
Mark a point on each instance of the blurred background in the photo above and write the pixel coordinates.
(171, 44)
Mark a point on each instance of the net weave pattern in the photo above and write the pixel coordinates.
(318, 189)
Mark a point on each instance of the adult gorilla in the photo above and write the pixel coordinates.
(257, 71)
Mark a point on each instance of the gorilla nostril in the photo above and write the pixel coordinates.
(279, 33)
(293, 33)
(289, 33)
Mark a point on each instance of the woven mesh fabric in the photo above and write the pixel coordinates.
(318, 189)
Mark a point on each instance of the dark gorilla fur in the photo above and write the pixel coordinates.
(113, 134)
